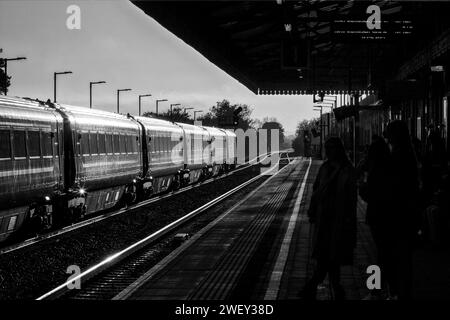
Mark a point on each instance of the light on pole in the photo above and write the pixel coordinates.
(158, 101)
(5, 66)
(184, 109)
(140, 96)
(320, 108)
(118, 93)
(195, 113)
(90, 91)
(54, 82)
(171, 110)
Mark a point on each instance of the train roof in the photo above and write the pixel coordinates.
(193, 128)
(229, 133)
(215, 131)
(27, 110)
(98, 118)
(163, 125)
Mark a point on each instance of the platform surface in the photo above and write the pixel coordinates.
(260, 249)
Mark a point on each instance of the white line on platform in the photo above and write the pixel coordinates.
(277, 272)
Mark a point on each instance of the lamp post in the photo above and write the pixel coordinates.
(118, 92)
(90, 91)
(5, 66)
(140, 96)
(320, 127)
(195, 113)
(184, 109)
(319, 108)
(54, 82)
(158, 101)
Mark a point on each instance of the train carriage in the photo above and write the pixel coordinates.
(164, 163)
(197, 158)
(107, 158)
(60, 162)
(30, 162)
(231, 156)
(217, 149)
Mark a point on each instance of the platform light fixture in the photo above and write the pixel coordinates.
(141, 96)
(90, 91)
(118, 94)
(54, 82)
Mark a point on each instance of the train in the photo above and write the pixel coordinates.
(60, 163)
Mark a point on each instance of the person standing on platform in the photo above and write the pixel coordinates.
(375, 193)
(402, 217)
(332, 213)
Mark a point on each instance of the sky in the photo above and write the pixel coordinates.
(118, 43)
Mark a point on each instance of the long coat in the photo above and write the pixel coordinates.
(332, 213)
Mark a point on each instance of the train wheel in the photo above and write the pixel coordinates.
(130, 196)
(40, 218)
(176, 184)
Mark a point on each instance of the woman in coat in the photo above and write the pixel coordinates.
(332, 213)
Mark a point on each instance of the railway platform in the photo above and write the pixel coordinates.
(259, 249)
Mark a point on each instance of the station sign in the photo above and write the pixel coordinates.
(372, 24)
(355, 30)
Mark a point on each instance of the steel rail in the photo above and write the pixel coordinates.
(121, 255)
(96, 219)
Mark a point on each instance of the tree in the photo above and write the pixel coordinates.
(5, 81)
(178, 115)
(222, 115)
(301, 142)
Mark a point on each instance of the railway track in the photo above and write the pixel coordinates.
(115, 273)
(88, 222)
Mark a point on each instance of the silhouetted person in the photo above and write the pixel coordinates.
(376, 194)
(401, 223)
(332, 213)
(434, 163)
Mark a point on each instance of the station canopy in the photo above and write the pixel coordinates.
(305, 47)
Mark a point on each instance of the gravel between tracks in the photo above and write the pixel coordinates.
(32, 271)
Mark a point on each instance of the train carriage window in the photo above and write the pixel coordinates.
(123, 144)
(167, 142)
(116, 144)
(59, 144)
(34, 148)
(109, 144)
(156, 143)
(46, 143)
(5, 144)
(192, 148)
(135, 143)
(161, 142)
(131, 143)
(101, 143)
(85, 143)
(19, 144)
(93, 143)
